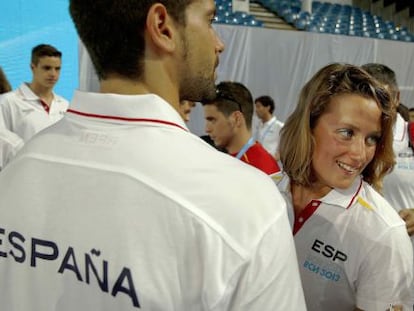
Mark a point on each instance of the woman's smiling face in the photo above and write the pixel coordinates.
(346, 137)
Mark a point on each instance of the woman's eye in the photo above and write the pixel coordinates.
(347, 133)
(372, 140)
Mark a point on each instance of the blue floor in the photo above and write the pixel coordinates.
(26, 23)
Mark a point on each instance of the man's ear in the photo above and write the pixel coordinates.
(161, 27)
(237, 118)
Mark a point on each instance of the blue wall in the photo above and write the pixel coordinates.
(26, 23)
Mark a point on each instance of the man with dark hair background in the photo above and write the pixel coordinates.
(267, 132)
(34, 106)
(228, 123)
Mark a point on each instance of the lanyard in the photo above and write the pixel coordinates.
(245, 148)
(262, 137)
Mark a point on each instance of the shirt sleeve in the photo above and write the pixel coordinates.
(10, 143)
(386, 275)
(5, 121)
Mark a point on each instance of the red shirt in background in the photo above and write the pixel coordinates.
(258, 157)
(411, 134)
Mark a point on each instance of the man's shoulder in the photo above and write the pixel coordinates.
(260, 153)
(60, 98)
(243, 200)
(11, 96)
(62, 102)
(234, 179)
(279, 123)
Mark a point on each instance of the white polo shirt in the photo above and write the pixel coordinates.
(10, 143)
(268, 134)
(398, 186)
(400, 131)
(353, 251)
(22, 112)
(119, 207)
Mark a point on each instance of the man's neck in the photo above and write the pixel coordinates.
(267, 117)
(44, 93)
(238, 141)
(117, 84)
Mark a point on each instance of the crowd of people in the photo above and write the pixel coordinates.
(111, 203)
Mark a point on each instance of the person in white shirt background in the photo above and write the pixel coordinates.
(10, 143)
(267, 130)
(353, 248)
(118, 206)
(398, 186)
(34, 106)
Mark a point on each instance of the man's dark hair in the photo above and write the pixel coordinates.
(43, 50)
(113, 32)
(266, 101)
(384, 75)
(231, 97)
(404, 112)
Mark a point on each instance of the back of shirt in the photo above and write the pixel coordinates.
(101, 217)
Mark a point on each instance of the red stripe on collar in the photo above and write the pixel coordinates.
(101, 116)
(356, 194)
(44, 105)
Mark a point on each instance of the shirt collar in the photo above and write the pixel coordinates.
(343, 198)
(400, 128)
(115, 108)
(28, 94)
(269, 121)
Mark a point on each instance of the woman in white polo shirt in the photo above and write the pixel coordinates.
(353, 249)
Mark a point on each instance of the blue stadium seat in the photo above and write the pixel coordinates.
(225, 15)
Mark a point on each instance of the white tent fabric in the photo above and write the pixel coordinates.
(278, 63)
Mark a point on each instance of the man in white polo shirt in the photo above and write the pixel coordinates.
(267, 132)
(399, 184)
(119, 207)
(34, 106)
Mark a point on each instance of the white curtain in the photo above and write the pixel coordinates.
(278, 63)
